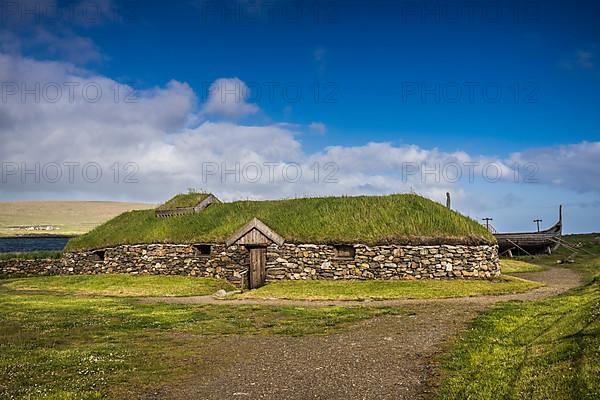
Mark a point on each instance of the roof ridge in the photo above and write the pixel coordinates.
(257, 224)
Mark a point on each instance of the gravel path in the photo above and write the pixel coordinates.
(391, 357)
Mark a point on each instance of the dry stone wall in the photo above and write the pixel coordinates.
(288, 261)
(18, 268)
(309, 261)
(163, 259)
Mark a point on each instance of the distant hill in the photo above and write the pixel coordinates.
(59, 217)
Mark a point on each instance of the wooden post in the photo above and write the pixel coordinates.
(487, 222)
(448, 200)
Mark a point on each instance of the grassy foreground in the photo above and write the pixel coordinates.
(381, 290)
(120, 285)
(83, 347)
(548, 349)
(536, 350)
(402, 218)
(509, 266)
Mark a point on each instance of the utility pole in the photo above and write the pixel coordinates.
(537, 221)
(487, 222)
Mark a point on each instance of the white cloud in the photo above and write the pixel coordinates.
(60, 44)
(319, 57)
(229, 97)
(572, 166)
(161, 134)
(318, 127)
(585, 59)
(24, 14)
(49, 28)
(66, 46)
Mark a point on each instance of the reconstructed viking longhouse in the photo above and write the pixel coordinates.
(250, 243)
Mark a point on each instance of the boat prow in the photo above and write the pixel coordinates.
(528, 243)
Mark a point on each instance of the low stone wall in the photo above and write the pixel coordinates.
(19, 268)
(291, 261)
(288, 261)
(163, 259)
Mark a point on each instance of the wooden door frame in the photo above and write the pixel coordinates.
(251, 268)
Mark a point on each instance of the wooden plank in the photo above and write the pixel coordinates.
(254, 237)
(258, 261)
(259, 226)
(206, 202)
(174, 211)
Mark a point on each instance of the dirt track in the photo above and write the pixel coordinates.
(392, 357)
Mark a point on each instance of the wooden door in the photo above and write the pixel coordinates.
(258, 262)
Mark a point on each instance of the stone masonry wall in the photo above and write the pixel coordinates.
(164, 259)
(309, 261)
(18, 268)
(288, 261)
(152, 259)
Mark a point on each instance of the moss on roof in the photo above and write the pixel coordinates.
(401, 218)
(184, 201)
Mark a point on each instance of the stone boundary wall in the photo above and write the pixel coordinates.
(308, 261)
(19, 268)
(288, 261)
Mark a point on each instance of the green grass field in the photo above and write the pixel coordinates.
(536, 350)
(509, 266)
(68, 217)
(382, 290)
(405, 218)
(587, 260)
(85, 337)
(120, 285)
(548, 349)
(66, 347)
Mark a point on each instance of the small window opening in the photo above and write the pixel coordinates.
(345, 251)
(203, 249)
(99, 255)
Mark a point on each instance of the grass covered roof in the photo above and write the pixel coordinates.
(184, 201)
(398, 219)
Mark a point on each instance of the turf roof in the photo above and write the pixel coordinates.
(393, 219)
(184, 201)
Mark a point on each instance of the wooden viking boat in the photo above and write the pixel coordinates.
(526, 243)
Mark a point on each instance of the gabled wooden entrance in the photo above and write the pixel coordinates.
(256, 236)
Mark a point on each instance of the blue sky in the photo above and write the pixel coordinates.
(369, 53)
(420, 79)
